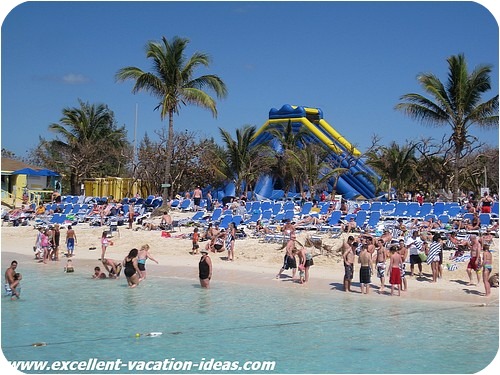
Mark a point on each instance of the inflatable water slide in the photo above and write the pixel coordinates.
(356, 182)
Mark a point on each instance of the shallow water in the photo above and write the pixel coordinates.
(303, 331)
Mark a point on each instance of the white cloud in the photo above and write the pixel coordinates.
(74, 79)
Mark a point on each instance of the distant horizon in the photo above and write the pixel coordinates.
(353, 60)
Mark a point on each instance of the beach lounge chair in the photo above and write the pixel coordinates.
(216, 214)
(373, 220)
(252, 220)
(186, 205)
(438, 208)
(425, 209)
(361, 219)
(306, 209)
(277, 206)
(225, 220)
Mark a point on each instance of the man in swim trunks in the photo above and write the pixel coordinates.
(348, 257)
(365, 271)
(12, 280)
(71, 240)
(475, 259)
(197, 195)
(381, 258)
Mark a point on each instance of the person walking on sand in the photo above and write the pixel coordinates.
(205, 269)
(475, 259)
(365, 270)
(395, 269)
(195, 238)
(197, 196)
(71, 241)
(487, 268)
(348, 258)
(144, 255)
(131, 214)
(132, 272)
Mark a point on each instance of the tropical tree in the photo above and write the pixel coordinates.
(88, 144)
(283, 145)
(455, 104)
(394, 163)
(173, 83)
(311, 167)
(238, 162)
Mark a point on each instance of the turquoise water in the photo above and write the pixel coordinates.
(303, 331)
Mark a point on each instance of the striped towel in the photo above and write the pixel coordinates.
(452, 267)
(450, 245)
(434, 250)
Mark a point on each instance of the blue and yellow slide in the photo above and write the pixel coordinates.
(352, 184)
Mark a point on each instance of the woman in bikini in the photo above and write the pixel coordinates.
(142, 257)
(131, 270)
(487, 268)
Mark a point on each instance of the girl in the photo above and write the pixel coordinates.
(230, 237)
(104, 244)
(141, 259)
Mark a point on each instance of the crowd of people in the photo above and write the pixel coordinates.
(418, 242)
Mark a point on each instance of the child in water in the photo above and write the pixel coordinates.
(69, 266)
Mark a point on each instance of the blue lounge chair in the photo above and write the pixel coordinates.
(185, 205)
(226, 219)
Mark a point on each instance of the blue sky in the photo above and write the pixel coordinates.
(351, 59)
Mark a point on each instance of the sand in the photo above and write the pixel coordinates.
(255, 262)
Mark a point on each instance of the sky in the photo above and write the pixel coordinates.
(353, 60)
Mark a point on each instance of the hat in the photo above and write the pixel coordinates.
(204, 251)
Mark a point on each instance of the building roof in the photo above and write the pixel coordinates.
(11, 165)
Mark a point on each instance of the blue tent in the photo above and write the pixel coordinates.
(34, 172)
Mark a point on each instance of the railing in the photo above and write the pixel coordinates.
(33, 196)
(9, 199)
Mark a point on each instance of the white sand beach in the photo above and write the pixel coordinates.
(255, 262)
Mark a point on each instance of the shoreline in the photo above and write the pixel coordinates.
(255, 263)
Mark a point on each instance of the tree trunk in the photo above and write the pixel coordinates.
(167, 191)
(456, 171)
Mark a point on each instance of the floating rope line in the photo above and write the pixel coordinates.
(213, 330)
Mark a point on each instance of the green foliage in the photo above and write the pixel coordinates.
(455, 103)
(88, 144)
(172, 82)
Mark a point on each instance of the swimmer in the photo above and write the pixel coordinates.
(69, 266)
(98, 274)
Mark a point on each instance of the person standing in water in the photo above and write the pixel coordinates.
(144, 255)
(205, 269)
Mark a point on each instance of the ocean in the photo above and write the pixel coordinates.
(167, 323)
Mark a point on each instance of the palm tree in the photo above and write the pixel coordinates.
(288, 142)
(311, 167)
(239, 162)
(171, 81)
(456, 104)
(88, 142)
(396, 164)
